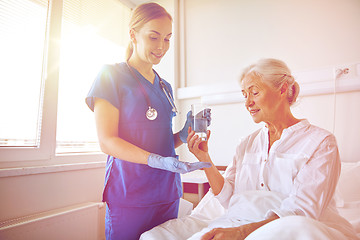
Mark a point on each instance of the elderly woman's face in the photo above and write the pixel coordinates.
(262, 101)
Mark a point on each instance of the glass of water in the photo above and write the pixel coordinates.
(200, 120)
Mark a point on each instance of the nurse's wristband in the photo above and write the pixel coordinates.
(172, 164)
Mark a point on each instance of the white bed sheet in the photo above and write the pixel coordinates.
(348, 193)
(209, 209)
(352, 214)
(347, 198)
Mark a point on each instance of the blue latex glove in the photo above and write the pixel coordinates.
(183, 134)
(172, 164)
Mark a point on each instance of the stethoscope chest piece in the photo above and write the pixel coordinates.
(151, 113)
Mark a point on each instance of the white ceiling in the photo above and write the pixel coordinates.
(137, 2)
(133, 3)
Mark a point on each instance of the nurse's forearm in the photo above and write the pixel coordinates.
(124, 150)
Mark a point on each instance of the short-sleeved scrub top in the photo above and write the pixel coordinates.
(132, 184)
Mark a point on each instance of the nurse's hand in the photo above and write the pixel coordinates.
(183, 134)
(172, 164)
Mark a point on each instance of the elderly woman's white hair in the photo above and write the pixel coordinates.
(274, 73)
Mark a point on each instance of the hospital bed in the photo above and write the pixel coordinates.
(347, 201)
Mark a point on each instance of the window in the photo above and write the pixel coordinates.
(93, 33)
(51, 52)
(22, 30)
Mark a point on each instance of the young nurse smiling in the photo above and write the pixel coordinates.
(151, 43)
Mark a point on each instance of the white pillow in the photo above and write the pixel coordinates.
(348, 189)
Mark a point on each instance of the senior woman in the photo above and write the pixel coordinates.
(282, 180)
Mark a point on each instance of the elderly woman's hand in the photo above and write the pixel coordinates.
(198, 147)
(234, 233)
(225, 234)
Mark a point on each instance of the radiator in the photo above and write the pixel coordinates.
(84, 221)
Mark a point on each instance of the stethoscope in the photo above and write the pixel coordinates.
(151, 113)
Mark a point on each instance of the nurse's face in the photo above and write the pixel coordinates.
(262, 101)
(152, 41)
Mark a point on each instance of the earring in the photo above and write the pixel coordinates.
(132, 35)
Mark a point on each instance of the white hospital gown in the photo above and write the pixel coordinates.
(302, 167)
(297, 177)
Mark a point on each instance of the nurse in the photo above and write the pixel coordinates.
(133, 110)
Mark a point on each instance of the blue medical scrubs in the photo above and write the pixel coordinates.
(138, 197)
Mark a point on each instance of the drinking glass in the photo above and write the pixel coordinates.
(200, 121)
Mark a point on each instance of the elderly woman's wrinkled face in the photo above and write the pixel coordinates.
(262, 101)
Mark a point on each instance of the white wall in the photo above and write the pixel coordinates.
(222, 37)
(28, 194)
